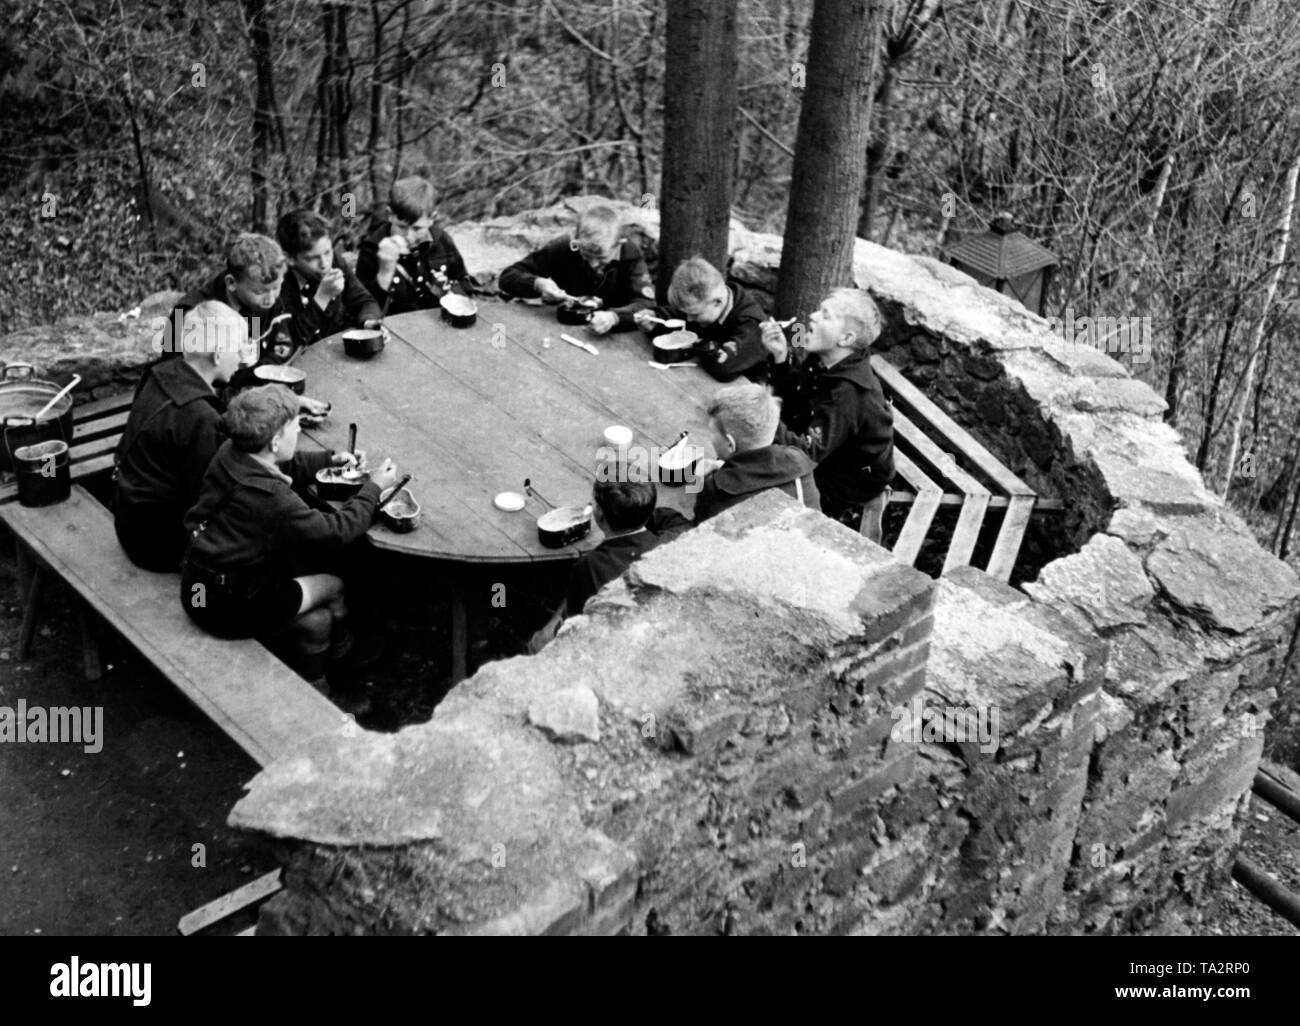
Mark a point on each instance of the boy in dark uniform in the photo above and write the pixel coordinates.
(320, 289)
(726, 317)
(624, 509)
(172, 433)
(409, 262)
(250, 285)
(594, 261)
(834, 409)
(743, 420)
(255, 543)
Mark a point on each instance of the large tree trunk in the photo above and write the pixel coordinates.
(830, 156)
(1257, 339)
(699, 133)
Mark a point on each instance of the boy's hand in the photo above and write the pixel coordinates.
(548, 290)
(351, 460)
(390, 249)
(331, 286)
(643, 319)
(603, 321)
(386, 475)
(313, 407)
(774, 341)
(375, 322)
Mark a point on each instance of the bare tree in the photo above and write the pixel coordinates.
(699, 133)
(830, 155)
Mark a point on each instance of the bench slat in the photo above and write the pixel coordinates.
(913, 399)
(111, 424)
(1010, 534)
(941, 464)
(228, 904)
(926, 504)
(266, 708)
(967, 532)
(102, 407)
(903, 498)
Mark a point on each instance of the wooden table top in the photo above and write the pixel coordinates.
(472, 412)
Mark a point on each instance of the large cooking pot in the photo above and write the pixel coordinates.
(22, 395)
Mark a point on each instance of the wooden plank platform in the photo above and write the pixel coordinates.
(266, 708)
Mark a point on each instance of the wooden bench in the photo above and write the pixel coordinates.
(96, 430)
(266, 708)
(261, 704)
(945, 466)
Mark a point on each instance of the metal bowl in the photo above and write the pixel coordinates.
(457, 310)
(675, 346)
(402, 514)
(363, 343)
(278, 374)
(332, 485)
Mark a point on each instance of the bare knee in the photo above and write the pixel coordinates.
(312, 629)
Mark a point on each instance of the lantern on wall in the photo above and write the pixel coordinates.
(1008, 261)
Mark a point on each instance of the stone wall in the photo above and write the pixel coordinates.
(712, 749)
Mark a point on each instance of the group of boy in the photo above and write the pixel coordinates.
(821, 432)
(209, 480)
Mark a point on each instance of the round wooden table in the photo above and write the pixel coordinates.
(472, 412)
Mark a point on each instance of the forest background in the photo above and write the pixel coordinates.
(1151, 145)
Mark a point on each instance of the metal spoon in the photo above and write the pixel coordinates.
(76, 380)
(394, 493)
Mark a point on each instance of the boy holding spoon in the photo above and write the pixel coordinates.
(592, 262)
(726, 318)
(408, 262)
(834, 409)
(260, 558)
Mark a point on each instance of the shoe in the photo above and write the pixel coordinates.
(357, 654)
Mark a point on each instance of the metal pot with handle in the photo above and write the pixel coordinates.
(22, 398)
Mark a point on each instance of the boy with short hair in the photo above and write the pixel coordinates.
(743, 420)
(255, 543)
(320, 289)
(408, 262)
(726, 317)
(171, 435)
(834, 409)
(624, 509)
(594, 261)
(250, 285)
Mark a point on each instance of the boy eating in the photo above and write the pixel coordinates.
(320, 289)
(592, 262)
(408, 262)
(250, 285)
(624, 509)
(256, 549)
(727, 319)
(171, 435)
(834, 409)
(743, 420)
